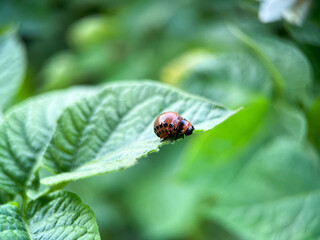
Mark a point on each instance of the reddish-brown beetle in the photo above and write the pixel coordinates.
(171, 124)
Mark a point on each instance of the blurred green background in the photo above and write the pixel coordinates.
(255, 176)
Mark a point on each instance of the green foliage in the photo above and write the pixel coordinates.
(314, 129)
(231, 78)
(25, 133)
(59, 215)
(267, 196)
(12, 225)
(78, 149)
(250, 175)
(125, 114)
(288, 68)
(152, 210)
(227, 147)
(266, 65)
(12, 66)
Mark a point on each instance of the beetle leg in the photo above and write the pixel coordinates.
(171, 137)
(176, 136)
(162, 140)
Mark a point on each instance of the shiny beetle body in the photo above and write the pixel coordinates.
(171, 124)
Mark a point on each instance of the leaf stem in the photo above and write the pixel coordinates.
(275, 74)
(24, 204)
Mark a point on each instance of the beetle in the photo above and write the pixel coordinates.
(171, 124)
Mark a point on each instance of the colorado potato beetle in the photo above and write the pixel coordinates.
(171, 124)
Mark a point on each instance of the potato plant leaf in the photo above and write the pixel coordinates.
(59, 215)
(227, 147)
(12, 225)
(12, 66)
(232, 78)
(271, 66)
(111, 130)
(25, 133)
(287, 65)
(275, 195)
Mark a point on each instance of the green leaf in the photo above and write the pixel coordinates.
(215, 162)
(59, 215)
(263, 65)
(12, 66)
(92, 30)
(4, 197)
(172, 206)
(230, 78)
(288, 67)
(12, 226)
(274, 195)
(25, 133)
(111, 130)
(309, 33)
(60, 71)
(291, 121)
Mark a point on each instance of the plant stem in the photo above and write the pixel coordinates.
(24, 204)
(275, 74)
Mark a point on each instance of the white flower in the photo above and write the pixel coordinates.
(293, 11)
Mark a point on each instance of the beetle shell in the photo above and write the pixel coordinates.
(170, 124)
